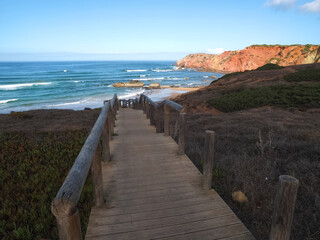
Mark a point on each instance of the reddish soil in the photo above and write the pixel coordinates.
(252, 57)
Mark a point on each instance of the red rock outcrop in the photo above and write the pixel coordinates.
(252, 57)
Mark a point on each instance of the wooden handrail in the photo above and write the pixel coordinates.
(172, 104)
(64, 205)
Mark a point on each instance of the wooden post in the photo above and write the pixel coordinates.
(69, 226)
(284, 208)
(96, 172)
(144, 105)
(166, 120)
(208, 160)
(110, 124)
(151, 115)
(114, 110)
(105, 143)
(181, 132)
(148, 110)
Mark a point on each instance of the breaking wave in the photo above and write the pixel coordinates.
(137, 70)
(8, 100)
(21, 85)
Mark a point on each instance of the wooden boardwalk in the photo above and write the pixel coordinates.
(152, 192)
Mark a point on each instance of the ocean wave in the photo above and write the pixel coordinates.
(132, 94)
(8, 100)
(177, 78)
(205, 76)
(159, 70)
(147, 79)
(137, 70)
(175, 68)
(142, 76)
(65, 104)
(21, 85)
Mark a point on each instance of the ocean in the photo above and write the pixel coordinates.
(76, 85)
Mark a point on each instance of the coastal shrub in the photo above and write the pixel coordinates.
(269, 66)
(307, 75)
(284, 96)
(231, 75)
(252, 149)
(306, 48)
(32, 169)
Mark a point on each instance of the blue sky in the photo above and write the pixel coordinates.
(149, 29)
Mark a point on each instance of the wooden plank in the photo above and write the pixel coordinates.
(152, 192)
(228, 222)
(158, 223)
(157, 214)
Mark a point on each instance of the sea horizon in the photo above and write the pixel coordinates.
(29, 85)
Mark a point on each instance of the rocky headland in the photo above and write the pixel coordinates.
(252, 57)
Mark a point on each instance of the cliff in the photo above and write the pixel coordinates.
(252, 57)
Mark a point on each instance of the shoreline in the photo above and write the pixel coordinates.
(155, 94)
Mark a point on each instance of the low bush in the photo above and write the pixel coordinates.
(269, 66)
(32, 169)
(307, 75)
(284, 96)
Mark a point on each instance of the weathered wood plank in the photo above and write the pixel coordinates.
(153, 192)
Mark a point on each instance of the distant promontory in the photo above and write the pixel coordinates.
(252, 57)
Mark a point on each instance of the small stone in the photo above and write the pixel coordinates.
(239, 197)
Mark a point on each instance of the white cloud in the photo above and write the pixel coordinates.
(282, 4)
(215, 50)
(313, 6)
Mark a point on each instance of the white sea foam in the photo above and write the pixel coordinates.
(159, 70)
(205, 76)
(147, 79)
(75, 81)
(176, 78)
(142, 76)
(132, 94)
(21, 85)
(8, 100)
(137, 70)
(65, 104)
(175, 68)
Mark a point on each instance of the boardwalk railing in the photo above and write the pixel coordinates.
(287, 185)
(64, 205)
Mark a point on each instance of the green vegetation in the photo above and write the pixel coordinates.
(269, 66)
(231, 74)
(306, 48)
(307, 75)
(284, 96)
(32, 169)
